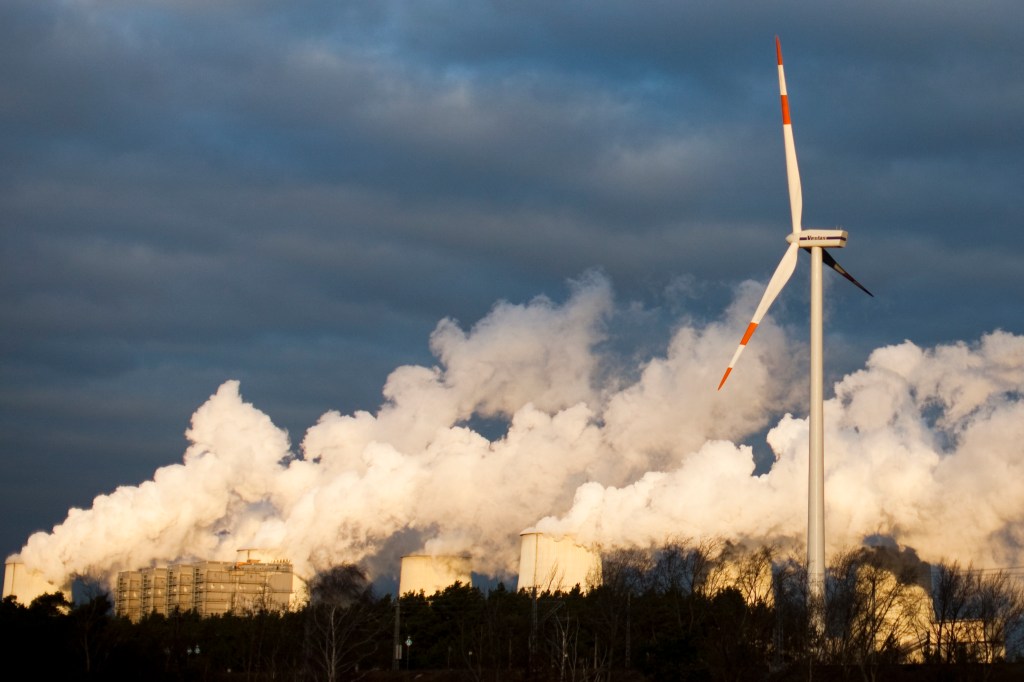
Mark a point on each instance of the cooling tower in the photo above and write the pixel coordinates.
(26, 584)
(553, 564)
(430, 574)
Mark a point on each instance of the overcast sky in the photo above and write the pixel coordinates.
(294, 194)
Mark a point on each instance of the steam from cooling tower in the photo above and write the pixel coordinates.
(923, 445)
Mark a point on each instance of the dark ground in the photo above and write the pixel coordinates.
(1008, 672)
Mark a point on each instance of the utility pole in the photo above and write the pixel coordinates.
(629, 627)
(533, 631)
(397, 656)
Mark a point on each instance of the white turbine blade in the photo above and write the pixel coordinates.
(796, 198)
(778, 280)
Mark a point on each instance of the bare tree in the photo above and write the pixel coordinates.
(687, 573)
(564, 646)
(685, 566)
(792, 641)
(876, 611)
(978, 614)
(754, 575)
(343, 623)
(1000, 609)
(626, 573)
(954, 634)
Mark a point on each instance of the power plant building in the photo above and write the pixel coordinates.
(550, 564)
(209, 588)
(431, 574)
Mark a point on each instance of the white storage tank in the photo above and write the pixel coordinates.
(553, 564)
(429, 574)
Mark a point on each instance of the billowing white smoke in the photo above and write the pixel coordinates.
(922, 445)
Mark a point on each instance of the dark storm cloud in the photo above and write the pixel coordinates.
(293, 195)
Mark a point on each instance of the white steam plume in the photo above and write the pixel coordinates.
(613, 461)
(924, 446)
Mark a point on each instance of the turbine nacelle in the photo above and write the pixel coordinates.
(826, 239)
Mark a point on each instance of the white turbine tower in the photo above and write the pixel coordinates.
(814, 241)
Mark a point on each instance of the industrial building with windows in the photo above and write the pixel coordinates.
(210, 588)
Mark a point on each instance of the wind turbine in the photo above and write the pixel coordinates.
(815, 242)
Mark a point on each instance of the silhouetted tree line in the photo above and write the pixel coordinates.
(685, 611)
